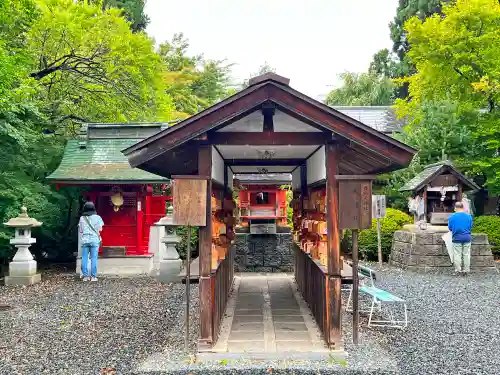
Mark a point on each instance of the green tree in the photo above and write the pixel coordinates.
(362, 89)
(457, 57)
(396, 63)
(133, 11)
(193, 82)
(439, 133)
(89, 65)
(263, 69)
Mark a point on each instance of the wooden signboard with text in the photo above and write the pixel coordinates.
(355, 203)
(190, 200)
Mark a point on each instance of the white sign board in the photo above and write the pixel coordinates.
(378, 206)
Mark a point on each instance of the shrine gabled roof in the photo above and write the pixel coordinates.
(381, 118)
(367, 150)
(432, 171)
(96, 156)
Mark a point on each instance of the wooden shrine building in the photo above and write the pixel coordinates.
(129, 200)
(439, 186)
(271, 125)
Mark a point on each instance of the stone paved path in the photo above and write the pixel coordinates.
(266, 314)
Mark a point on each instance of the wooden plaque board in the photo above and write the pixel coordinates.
(355, 204)
(190, 201)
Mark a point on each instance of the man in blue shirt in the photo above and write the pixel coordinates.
(460, 225)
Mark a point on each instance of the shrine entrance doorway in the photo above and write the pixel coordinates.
(272, 126)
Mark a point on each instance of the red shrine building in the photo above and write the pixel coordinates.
(128, 200)
(262, 201)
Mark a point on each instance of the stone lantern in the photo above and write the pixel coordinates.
(22, 269)
(170, 262)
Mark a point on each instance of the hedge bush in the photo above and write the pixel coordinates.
(489, 225)
(181, 247)
(368, 248)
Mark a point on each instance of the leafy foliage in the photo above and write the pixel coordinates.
(362, 89)
(489, 225)
(133, 11)
(181, 247)
(368, 245)
(438, 131)
(89, 65)
(457, 57)
(193, 82)
(397, 63)
(63, 62)
(263, 69)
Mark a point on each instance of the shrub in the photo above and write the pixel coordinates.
(368, 248)
(489, 225)
(182, 246)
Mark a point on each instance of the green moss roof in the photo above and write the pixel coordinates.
(100, 161)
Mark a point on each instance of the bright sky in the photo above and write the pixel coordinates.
(310, 42)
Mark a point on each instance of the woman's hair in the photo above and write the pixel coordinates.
(88, 209)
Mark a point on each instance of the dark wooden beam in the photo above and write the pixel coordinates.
(333, 296)
(269, 138)
(268, 110)
(260, 162)
(205, 254)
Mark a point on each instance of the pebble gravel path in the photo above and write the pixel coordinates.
(63, 326)
(66, 326)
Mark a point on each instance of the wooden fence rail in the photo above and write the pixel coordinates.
(222, 282)
(312, 281)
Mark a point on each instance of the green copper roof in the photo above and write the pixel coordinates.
(99, 160)
(434, 170)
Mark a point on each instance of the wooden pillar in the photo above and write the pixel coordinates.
(303, 185)
(226, 181)
(139, 219)
(333, 296)
(205, 253)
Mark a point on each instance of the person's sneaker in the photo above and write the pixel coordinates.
(93, 279)
(86, 278)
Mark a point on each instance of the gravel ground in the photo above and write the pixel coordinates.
(66, 326)
(63, 326)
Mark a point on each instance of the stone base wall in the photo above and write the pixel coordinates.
(426, 250)
(263, 252)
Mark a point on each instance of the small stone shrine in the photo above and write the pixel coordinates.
(22, 269)
(420, 246)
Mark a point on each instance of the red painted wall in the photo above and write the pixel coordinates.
(124, 227)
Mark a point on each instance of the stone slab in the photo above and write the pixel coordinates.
(122, 266)
(23, 280)
(290, 326)
(246, 347)
(422, 250)
(246, 335)
(292, 336)
(245, 319)
(247, 327)
(288, 318)
(296, 346)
